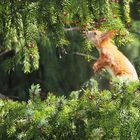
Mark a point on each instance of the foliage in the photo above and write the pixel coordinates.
(85, 114)
(22, 23)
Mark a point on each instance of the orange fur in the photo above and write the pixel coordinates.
(111, 58)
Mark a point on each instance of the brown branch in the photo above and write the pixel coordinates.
(3, 96)
(73, 29)
(7, 52)
(4, 52)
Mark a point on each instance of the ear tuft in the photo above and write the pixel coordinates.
(109, 34)
(94, 29)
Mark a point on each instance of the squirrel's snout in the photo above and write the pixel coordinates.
(87, 34)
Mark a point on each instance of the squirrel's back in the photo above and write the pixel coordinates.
(119, 65)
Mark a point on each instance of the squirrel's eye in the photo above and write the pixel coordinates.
(95, 33)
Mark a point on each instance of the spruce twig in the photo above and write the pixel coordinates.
(85, 55)
(73, 29)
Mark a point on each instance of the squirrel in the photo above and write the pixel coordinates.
(111, 59)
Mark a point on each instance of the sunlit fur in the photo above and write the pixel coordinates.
(110, 57)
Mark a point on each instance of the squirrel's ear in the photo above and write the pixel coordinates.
(108, 34)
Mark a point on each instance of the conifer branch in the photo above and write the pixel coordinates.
(85, 55)
(7, 52)
(73, 29)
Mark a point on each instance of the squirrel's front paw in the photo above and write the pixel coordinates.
(95, 68)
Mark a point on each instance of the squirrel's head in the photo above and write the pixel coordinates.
(97, 37)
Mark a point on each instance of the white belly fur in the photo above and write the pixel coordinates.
(130, 77)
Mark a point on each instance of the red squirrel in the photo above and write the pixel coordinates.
(111, 59)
